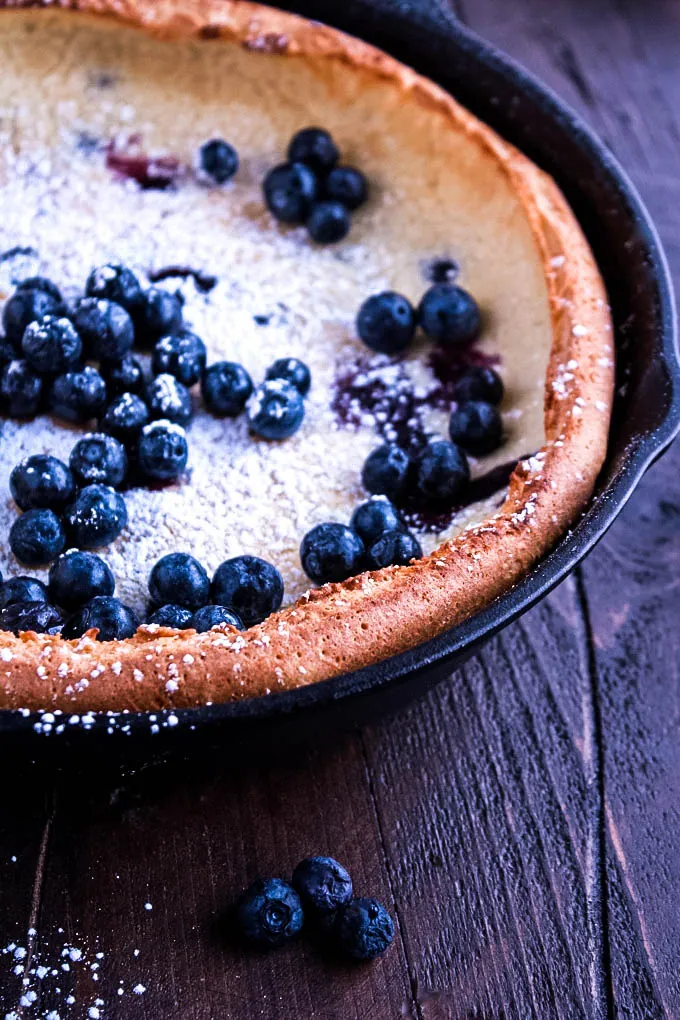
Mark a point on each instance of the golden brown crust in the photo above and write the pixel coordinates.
(344, 627)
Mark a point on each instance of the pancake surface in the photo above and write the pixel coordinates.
(443, 186)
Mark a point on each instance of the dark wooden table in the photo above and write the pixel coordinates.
(522, 822)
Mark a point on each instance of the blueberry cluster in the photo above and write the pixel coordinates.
(313, 189)
(447, 314)
(319, 897)
(376, 537)
(244, 591)
(77, 598)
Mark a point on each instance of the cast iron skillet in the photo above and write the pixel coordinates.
(646, 415)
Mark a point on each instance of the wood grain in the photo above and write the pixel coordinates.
(522, 821)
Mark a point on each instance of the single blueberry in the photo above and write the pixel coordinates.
(328, 222)
(269, 912)
(218, 160)
(41, 482)
(207, 617)
(118, 284)
(51, 345)
(77, 577)
(322, 884)
(441, 472)
(386, 322)
(226, 387)
(275, 410)
(293, 371)
(168, 398)
(315, 147)
(20, 390)
(98, 458)
(331, 552)
(22, 589)
(37, 537)
(289, 190)
(372, 519)
(182, 355)
(163, 451)
(41, 283)
(124, 376)
(181, 580)
(348, 185)
(393, 548)
(26, 306)
(37, 617)
(105, 328)
(95, 517)
(477, 427)
(161, 315)
(479, 384)
(363, 929)
(386, 471)
(125, 418)
(78, 396)
(172, 616)
(449, 315)
(250, 586)
(112, 619)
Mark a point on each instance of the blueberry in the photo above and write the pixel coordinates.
(125, 418)
(106, 328)
(41, 283)
(114, 620)
(37, 538)
(179, 579)
(449, 315)
(98, 458)
(172, 616)
(169, 399)
(386, 322)
(289, 190)
(207, 617)
(7, 352)
(479, 384)
(275, 410)
(386, 471)
(95, 517)
(51, 345)
(441, 472)
(250, 586)
(78, 396)
(26, 306)
(322, 884)
(20, 390)
(22, 589)
(315, 147)
(160, 315)
(41, 482)
(218, 160)
(118, 284)
(269, 913)
(163, 451)
(38, 617)
(477, 427)
(394, 548)
(363, 929)
(331, 552)
(328, 222)
(348, 185)
(226, 387)
(293, 371)
(124, 376)
(372, 519)
(77, 577)
(182, 355)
